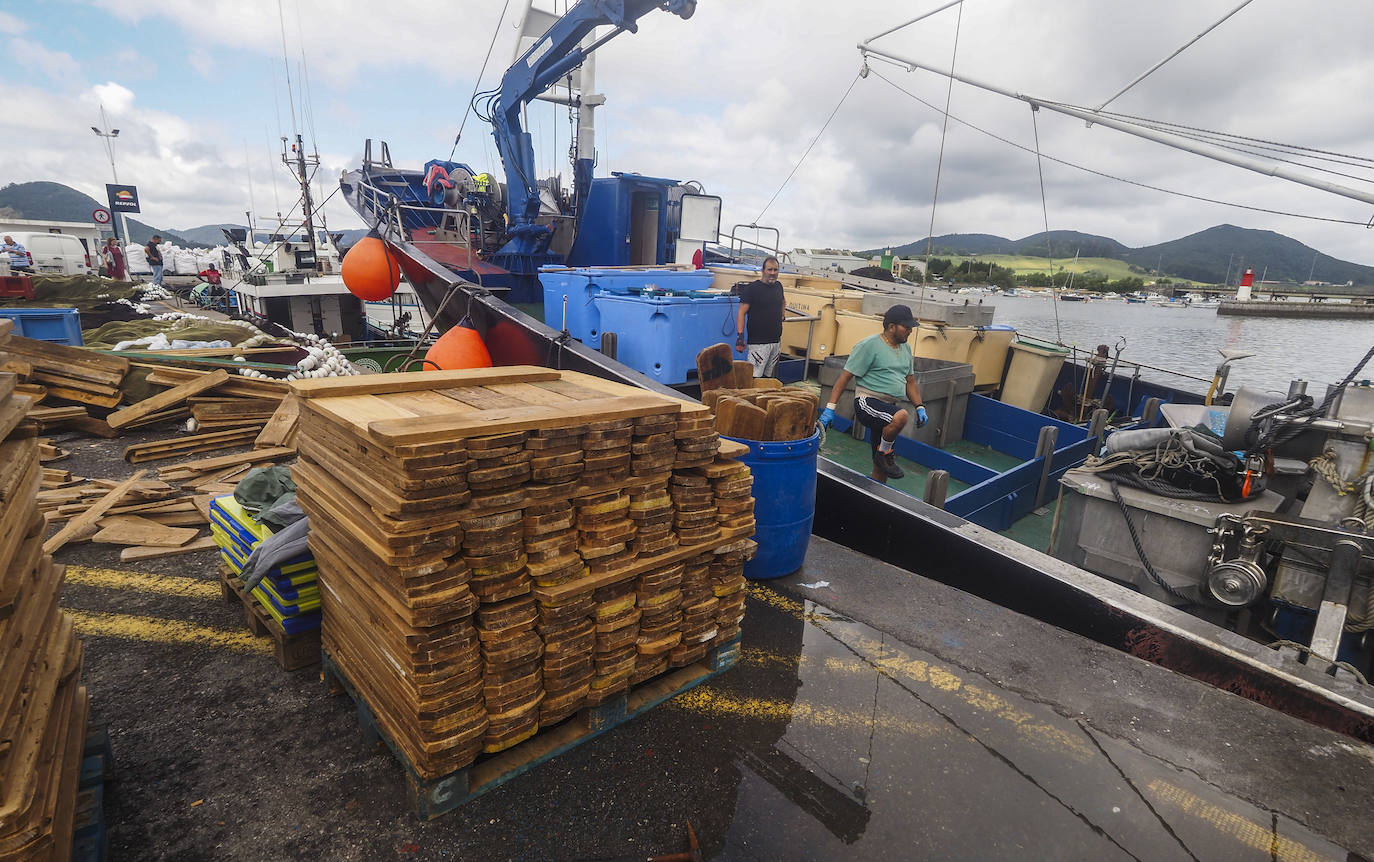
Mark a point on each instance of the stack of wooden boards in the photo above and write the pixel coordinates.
(753, 408)
(289, 591)
(43, 705)
(498, 548)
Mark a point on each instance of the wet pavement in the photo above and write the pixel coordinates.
(873, 714)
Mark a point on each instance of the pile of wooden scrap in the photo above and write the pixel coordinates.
(43, 706)
(499, 548)
(151, 518)
(753, 408)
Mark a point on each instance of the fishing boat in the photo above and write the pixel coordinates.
(968, 539)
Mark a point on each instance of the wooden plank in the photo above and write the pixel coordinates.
(280, 430)
(154, 450)
(207, 465)
(91, 515)
(715, 367)
(167, 399)
(532, 393)
(74, 361)
(416, 381)
(91, 425)
(443, 428)
(136, 530)
(129, 555)
(12, 412)
(482, 398)
(60, 387)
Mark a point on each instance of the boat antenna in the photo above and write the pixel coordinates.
(281, 20)
(1045, 213)
(495, 31)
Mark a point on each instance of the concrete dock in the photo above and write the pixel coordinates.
(1313, 310)
(874, 714)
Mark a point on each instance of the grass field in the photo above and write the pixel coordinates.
(1113, 269)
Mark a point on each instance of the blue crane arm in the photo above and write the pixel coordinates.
(556, 53)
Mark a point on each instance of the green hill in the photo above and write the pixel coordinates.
(55, 201)
(1201, 257)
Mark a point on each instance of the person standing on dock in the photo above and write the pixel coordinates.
(113, 256)
(761, 302)
(154, 258)
(19, 256)
(883, 370)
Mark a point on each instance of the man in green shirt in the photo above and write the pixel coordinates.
(881, 367)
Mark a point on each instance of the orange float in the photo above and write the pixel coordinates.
(458, 348)
(370, 271)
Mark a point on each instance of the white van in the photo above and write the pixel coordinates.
(57, 253)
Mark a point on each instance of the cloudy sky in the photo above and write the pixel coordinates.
(731, 98)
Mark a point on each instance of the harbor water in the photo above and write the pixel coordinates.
(1187, 340)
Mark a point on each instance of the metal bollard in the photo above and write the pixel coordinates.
(610, 344)
(937, 488)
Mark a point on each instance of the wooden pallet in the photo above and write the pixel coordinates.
(293, 651)
(433, 797)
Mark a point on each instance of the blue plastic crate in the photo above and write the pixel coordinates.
(580, 286)
(58, 325)
(661, 336)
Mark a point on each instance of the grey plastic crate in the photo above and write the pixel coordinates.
(944, 385)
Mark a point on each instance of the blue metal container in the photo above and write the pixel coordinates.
(58, 325)
(784, 503)
(661, 336)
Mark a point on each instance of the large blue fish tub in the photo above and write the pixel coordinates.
(784, 503)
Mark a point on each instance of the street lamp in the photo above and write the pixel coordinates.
(109, 148)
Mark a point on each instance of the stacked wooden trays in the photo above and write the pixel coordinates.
(43, 705)
(499, 549)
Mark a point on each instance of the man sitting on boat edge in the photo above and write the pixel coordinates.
(883, 370)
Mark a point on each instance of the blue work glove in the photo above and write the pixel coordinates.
(921, 417)
(827, 416)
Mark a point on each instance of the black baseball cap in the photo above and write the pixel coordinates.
(898, 314)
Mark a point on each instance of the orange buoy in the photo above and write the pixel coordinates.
(460, 347)
(370, 271)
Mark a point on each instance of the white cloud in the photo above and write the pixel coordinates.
(12, 25)
(115, 97)
(733, 97)
(57, 65)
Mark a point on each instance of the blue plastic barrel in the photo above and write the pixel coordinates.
(784, 503)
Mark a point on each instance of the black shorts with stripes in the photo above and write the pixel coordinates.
(874, 414)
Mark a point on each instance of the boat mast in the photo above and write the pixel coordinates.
(300, 164)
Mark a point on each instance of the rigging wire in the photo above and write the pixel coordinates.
(1044, 211)
(281, 20)
(1147, 73)
(1104, 175)
(939, 162)
(1343, 158)
(825, 125)
(496, 31)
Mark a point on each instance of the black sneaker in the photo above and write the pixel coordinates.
(887, 463)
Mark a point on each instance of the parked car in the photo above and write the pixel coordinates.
(57, 253)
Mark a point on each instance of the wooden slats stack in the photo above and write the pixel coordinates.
(499, 548)
(42, 702)
(71, 373)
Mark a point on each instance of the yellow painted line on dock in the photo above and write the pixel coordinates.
(901, 666)
(118, 579)
(158, 630)
(1257, 836)
(707, 701)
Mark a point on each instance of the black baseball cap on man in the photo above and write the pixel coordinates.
(898, 314)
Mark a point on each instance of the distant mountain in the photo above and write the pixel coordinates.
(212, 234)
(208, 234)
(1205, 256)
(55, 201)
